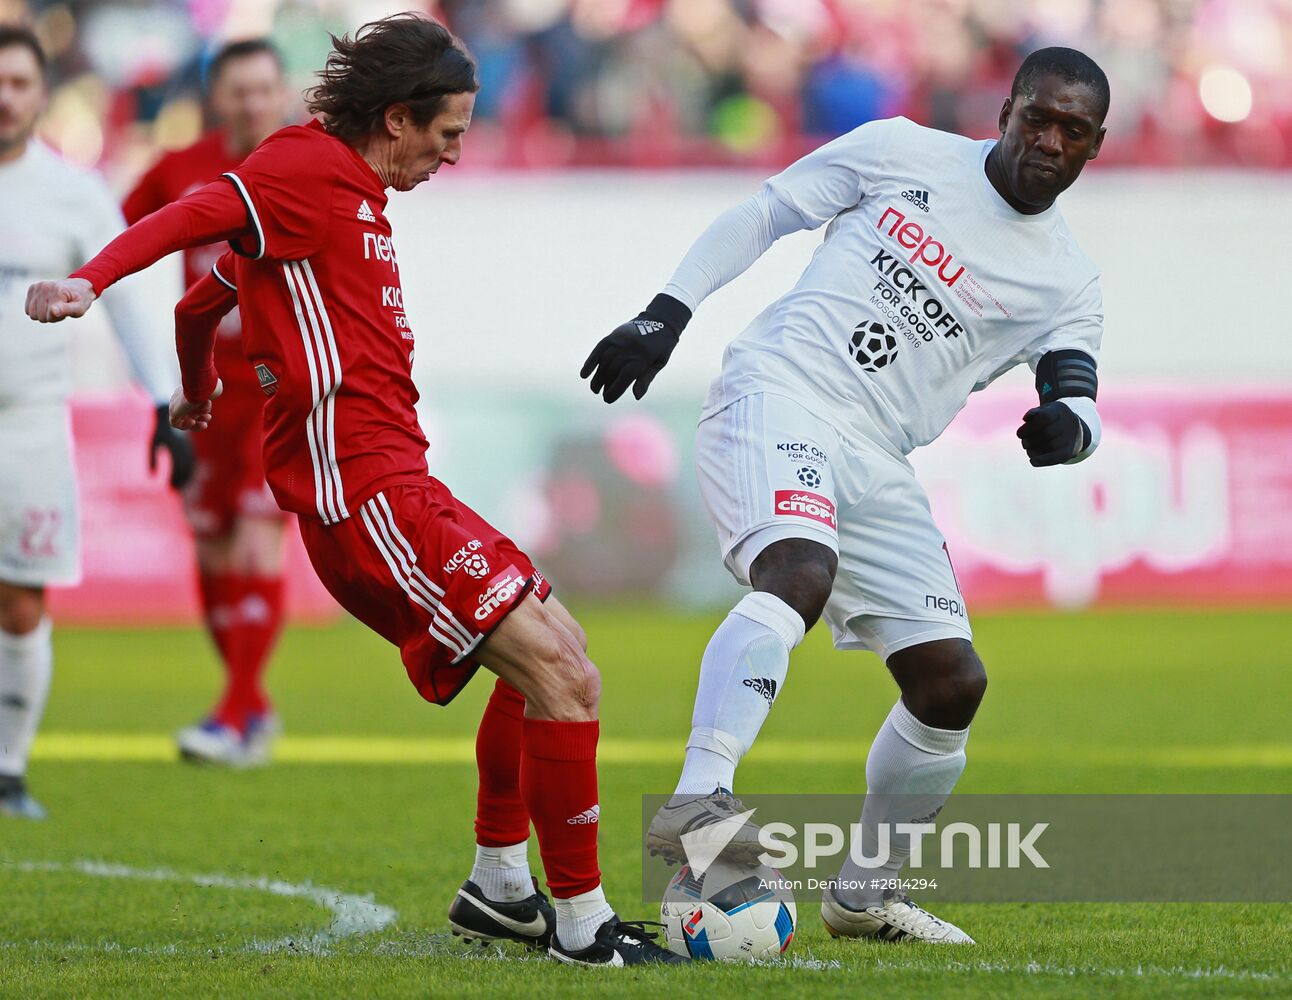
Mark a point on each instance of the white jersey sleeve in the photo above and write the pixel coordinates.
(806, 195)
(142, 326)
(1083, 332)
(731, 243)
(838, 175)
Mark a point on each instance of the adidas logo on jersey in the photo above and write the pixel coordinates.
(586, 817)
(920, 199)
(763, 685)
(365, 213)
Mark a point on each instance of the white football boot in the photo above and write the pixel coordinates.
(690, 817)
(897, 919)
(212, 742)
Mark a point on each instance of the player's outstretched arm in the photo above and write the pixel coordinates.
(52, 301)
(208, 215)
(635, 352)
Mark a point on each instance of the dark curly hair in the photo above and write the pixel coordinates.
(401, 59)
(1068, 65)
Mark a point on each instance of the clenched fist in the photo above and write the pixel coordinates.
(52, 301)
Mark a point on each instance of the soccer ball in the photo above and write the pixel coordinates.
(809, 477)
(733, 913)
(873, 346)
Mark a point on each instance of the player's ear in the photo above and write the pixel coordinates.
(1003, 122)
(398, 119)
(1098, 144)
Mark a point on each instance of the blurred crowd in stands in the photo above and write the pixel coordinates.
(659, 83)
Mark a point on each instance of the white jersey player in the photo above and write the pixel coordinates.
(55, 216)
(945, 264)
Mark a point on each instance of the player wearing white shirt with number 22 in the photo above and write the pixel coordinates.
(945, 264)
(55, 216)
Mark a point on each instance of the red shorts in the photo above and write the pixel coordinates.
(426, 572)
(229, 478)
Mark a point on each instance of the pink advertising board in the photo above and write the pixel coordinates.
(1188, 501)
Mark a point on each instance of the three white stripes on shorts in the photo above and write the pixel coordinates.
(399, 556)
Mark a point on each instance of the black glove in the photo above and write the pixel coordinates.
(1052, 434)
(635, 351)
(175, 442)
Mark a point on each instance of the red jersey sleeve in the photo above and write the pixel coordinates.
(197, 316)
(286, 184)
(208, 215)
(146, 197)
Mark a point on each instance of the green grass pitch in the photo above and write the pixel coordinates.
(375, 799)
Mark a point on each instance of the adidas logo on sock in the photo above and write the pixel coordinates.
(585, 817)
(920, 199)
(365, 213)
(763, 685)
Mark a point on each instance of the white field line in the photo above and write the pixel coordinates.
(298, 749)
(357, 915)
(351, 915)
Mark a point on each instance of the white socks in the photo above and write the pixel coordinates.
(742, 672)
(910, 772)
(26, 665)
(502, 873)
(579, 917)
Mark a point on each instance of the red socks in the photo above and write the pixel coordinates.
(501, 816)
(558, 780)
(545, 770)
(244, 615)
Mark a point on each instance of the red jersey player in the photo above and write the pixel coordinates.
(237, 526)
(323, 328)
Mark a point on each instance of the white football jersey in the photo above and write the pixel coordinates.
(927, 287)
(53, 218)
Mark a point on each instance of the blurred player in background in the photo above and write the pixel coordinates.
(53, 214)
(945, 265)
(324, 326)
(237, 526)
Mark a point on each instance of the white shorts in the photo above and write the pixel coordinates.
(771, 469)
(39, 535)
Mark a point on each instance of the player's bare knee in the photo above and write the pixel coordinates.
(942, 682)
(568, 684)
(800, 573)
(21, 608)
(965, 685)
(588, 689)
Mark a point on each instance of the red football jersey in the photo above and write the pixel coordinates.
(176, 174)
(323, 325)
